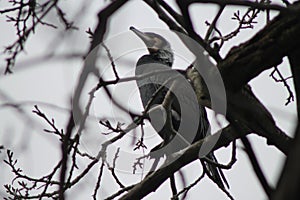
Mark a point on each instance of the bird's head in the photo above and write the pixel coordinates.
(156, 44)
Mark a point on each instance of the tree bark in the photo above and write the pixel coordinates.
(265, 50)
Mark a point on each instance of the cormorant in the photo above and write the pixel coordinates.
(161, 57)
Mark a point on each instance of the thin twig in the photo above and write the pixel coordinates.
(98, 181)
(213, 24)
(186, 189)
(173, 186)
(120, 192)
(112, 169)
(231, 162)
(257, 169)
(286, 85)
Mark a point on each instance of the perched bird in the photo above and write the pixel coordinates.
(160, 58)
(185, 114)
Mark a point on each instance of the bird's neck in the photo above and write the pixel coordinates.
(163, 56)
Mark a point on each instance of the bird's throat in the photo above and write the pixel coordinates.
(163, 56)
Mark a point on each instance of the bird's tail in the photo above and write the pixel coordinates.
(214, 172)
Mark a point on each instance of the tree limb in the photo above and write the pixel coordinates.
(276, 40)
(289, 182)
(153, 181)
(245, 108)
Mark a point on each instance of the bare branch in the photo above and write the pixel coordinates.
(155, 179)
(186, 189)
(257, 169)
(247, 60)
(98, 181)
(284, 81)
(247, 3)
(173, 186)
(290, 173)
(214, 23)
(112, 169)
(231, 162)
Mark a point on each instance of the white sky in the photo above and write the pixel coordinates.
(53, 82)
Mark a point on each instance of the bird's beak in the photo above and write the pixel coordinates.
(149, 41)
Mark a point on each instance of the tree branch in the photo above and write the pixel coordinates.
(245, 108)
(239, 3)
(153, 181)
(294, 59)
(288, 184)
(256, 167)
(276, 40)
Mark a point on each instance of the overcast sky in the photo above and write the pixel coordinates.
(50, 84)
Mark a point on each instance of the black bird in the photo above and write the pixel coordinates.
(161, 57)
